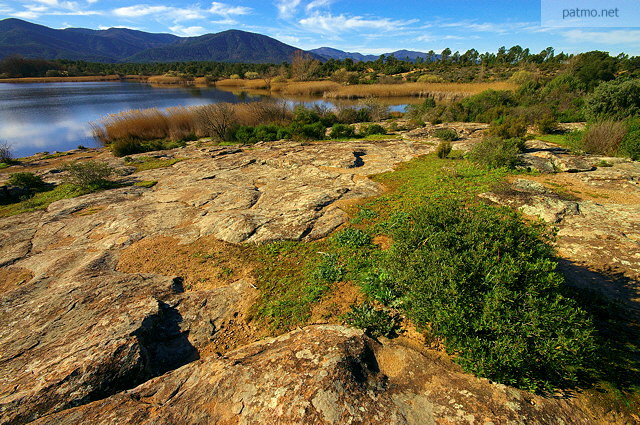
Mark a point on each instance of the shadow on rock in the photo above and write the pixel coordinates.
(610, 300)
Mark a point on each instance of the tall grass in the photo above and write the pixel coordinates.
(128, 129)
(438, 91)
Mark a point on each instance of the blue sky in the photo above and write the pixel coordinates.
(372, 26)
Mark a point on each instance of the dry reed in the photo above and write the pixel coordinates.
(168, 79)
(180, 123)
(439, 91)
(61, 79)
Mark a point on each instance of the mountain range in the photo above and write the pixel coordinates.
(18, 37)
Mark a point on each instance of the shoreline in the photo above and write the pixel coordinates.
(81, 79)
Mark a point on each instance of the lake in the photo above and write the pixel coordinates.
(38, 117)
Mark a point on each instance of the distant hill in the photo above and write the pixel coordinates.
(226, 46)
(331, 53)
(29, 40)
(112, 45)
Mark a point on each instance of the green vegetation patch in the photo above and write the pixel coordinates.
(42, 200)
(143, 163)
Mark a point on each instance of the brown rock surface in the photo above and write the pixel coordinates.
(88, 339)
(324, 375)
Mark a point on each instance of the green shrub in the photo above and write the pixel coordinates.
(303, 115)
(604, 138)
(614, 100)
(508, 128)
(485, 282)
(483, 107)
(131, 146)
(328, 271)
(494, 152)
(444, 149)
(315, 131)
(368, 130)
(546, 124)
(342, 131)
(352, 237)
(375, 323)
(448, 134)
(26, 180)
(89, 175)
(630, 145)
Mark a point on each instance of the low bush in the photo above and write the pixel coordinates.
(328, 271)
(315, 131)
(27, 181)
(484, 281)
(342, 131)
(614, 100)
(131, 146)
(371, 129)
(508, 128)
(352, 237)
(374, 322)
(89, 175)
(444, 149)
(494, 152)
(604, 138)
(448, 134)
(630, 145)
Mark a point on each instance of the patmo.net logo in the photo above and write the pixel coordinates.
(590, 13)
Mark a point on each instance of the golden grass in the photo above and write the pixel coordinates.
(181, 122)
(439, 91)
(231, 82)
(61, 79)
(306, 88)
(166, 79)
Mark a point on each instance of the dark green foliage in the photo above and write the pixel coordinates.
(261, 133)
(342, 131)
(444, 149)
(315, 131)
(508, 128)
(486, 283)
(494, 152)
(131, 145)
(375, 323)
(368, 130)
(484, 107)
(591, 68)
(630, 145)
(352, 237)
(304, 115)
(615, 100)
(89, 175)
(328, 271)
(27, 181)
(448, 134)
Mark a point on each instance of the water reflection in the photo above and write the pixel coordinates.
(57, 116)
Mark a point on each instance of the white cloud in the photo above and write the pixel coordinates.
(332, 24)
(226, 10)
(287, 8)
(628, 37)
(495, 27)
(187, 31)
(316, 4)
(54, 7)
(140, 10)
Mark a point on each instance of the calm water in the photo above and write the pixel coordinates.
(56, 116)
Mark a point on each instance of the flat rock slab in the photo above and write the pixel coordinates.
(322, 375)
